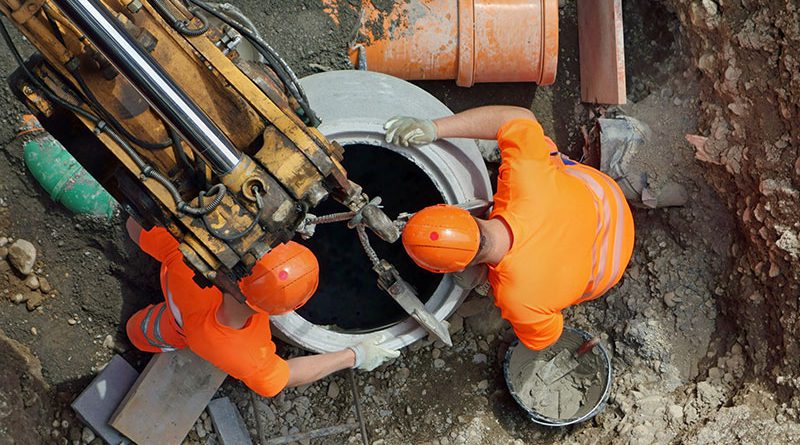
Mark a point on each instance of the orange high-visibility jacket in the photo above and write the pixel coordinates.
(572, 233)
(188, 318)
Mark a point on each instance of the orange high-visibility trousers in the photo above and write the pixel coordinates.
(153, 329)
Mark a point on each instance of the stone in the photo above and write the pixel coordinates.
(18, 298)
(108, 342)
(436, 353)
(228, 422)
(438, 363)
(72, 321)
(483, 385)
(709, 394)
(74, 434)
(98, 401)
(32, 282)
(473, 307)
(3, 241)
(456, 324)
(44, 285)
(675, 413)
(34, 301)
(3, 253)
(333, 390)
(200, 430)
(34, 331)
(22, 255)
(87, 435)
(488, 323)
(479, 358)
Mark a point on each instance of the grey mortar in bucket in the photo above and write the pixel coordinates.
(575, 398)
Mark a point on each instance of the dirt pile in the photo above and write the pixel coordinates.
(748, 54)
(24, 397)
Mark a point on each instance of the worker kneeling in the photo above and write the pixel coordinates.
(560, 232)
(235, 336)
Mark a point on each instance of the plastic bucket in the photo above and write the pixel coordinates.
(596, 397)
(472, 41)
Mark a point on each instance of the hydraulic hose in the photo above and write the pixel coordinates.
(280, 66)
(102, 127)
(182, 25)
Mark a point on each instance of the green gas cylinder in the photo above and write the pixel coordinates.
(65, 179)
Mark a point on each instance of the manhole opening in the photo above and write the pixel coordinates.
(348, 298)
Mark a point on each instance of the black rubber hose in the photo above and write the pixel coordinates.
(204, 209)
(235, 236)
(177, 150)
(200, 171)
(183, 25)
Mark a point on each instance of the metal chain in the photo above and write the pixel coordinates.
(362, 236)
(332, 218)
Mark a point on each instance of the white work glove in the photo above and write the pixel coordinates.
(370, 355)
(404, 130)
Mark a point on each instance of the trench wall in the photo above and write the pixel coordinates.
(748, 55)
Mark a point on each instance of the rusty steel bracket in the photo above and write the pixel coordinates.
(373, 217)
(389, 279)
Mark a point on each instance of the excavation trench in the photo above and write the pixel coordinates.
(348, 298)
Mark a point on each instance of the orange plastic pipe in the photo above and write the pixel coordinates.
(472, 41)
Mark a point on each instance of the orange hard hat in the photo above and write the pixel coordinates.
(442, 238)
(282, 280)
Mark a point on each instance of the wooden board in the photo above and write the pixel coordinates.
(167, 398)
(602, 52)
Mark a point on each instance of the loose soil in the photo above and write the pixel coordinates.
(702, 328)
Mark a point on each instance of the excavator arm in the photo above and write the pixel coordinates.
(188, 118)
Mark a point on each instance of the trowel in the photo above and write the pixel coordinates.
(402, 292)
(565, 362)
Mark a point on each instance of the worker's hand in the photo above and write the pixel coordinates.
(370, 355)
(404, 130)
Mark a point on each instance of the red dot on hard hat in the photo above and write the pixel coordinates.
(434, 236)
(282, 275)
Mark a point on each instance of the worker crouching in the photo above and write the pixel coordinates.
(232, 335)
(560, 232)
